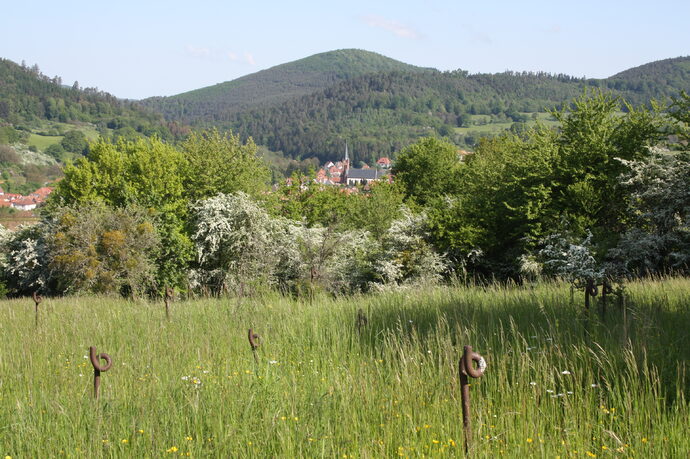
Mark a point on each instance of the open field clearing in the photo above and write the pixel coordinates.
(559, 382)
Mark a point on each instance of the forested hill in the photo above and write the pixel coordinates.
(27, 97)
(274, 85)
(656, 79)
(381, 113)
(308, 107)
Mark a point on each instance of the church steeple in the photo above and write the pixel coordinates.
(347, 158)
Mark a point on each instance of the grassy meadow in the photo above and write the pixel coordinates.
(559, 382)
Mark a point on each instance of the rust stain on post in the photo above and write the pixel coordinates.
(97, 368)
(468, 370)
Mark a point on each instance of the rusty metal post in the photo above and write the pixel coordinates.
(97, 368)
(169, 295)
(254, 343)
(361, 320)
(591, 290)
(467, 370)
(606, 289)
(37, 300)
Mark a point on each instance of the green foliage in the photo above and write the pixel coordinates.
(56, 151)
(680, 112)
(222, 163)
(592, 140)
(515, 190)
(100, 249)
(381, 109)
(427, 169)
(75, 141)
(9, 135)
(27, 96)
(146, 173)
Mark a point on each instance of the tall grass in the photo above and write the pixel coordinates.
(559, 382)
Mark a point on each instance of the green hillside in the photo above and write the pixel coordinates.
(27, 98)
(44, 123)
(274, 85)
(655, 79)
(381, 113)
(308, 107)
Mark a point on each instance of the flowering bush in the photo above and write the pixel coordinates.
(24, 266)
(405, 257)
(571, 260)
(658, 237)
(238, 245)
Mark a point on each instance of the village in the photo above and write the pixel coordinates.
(24, 203)
(340, 173)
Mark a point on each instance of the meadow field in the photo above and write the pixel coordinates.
(559, 382)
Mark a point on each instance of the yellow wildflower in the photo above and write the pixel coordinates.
(529, 440)
(124, 441)
(171, 449)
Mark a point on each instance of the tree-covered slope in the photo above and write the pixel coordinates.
(27, 96)
(656, 79)
(274, 85)
(307, 108)
(381, 113)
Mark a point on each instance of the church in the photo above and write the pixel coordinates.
(353, 176)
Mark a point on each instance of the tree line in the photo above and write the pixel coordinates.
(603, 193)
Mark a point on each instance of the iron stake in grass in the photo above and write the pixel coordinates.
(37, 300)
(97, 368)
(169, 294)
(254, 343)
(361, 320)
(591, 290)
(467, 370)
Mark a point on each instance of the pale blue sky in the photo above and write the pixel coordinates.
(137, 49)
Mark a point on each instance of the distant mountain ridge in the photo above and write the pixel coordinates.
(276, 84)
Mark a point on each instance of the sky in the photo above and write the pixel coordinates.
(137, 49)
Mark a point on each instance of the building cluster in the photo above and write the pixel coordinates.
(341, 172)
(21, 202)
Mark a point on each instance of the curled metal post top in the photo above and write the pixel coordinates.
(96, 358)
(253, 339)
(37, 298)
(466, 363)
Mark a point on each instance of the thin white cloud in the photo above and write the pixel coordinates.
(398, 29)
(476, 35)
(232, 56)
(197, 51)
(249, 59)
